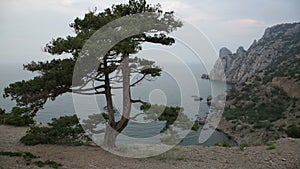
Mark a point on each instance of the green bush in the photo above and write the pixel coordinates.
(2, 111)
(196, 126)
(243, 145)
(224, 144)
(293, 131)
(27, 156)
(52, 164)
(65, 130)
(17, 117)
(272, 147)
(267, 125)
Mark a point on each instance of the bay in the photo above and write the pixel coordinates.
(169, 89)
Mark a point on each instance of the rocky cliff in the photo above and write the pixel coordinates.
(264, 105)
(276, 43)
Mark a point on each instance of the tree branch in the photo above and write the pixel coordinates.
(138, 101)
(77, 92)
(134, 117)
(138, 81)
(89, 89)
(97, 131)
(135, 83)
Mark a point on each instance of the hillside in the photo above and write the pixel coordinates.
(264, 104)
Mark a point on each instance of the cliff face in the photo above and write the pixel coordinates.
(276, 43)
(264, 105)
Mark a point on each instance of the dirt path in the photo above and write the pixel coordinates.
(286, 154)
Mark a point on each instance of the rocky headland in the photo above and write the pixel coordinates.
(264, 104)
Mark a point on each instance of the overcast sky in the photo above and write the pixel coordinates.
(27, 25)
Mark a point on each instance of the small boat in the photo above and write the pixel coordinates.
(197, 98)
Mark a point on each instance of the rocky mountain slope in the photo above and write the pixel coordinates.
(278, 43)
(264, 104)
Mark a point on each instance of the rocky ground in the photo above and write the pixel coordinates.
(283, 153)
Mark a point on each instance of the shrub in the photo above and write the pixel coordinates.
(267, 125)
(271, 145)
(27, 156)
(17, 117)
(196, 126)
(2, 111)
(65, 130)
(243, 145)
(224, 144)
(293, 131)
(52, 164)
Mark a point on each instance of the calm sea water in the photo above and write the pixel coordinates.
(173, 88)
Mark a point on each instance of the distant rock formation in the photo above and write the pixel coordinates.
(265, 102)
(276, 42)
(205, 76)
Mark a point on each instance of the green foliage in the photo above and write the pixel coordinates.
(52, 164)
(162, 158)
(287, 64)
(224, 144)
(17, 117)
(196, 126)
(93, 121)
(145, 107)
(56, 76)
(151, 71)
(2, 111)
(254, 108)
(270, 146)
(173, 118)
(293, 131)
(27, 156)
(243, 145)
(267, 125)
(171, 115)
(65, 130)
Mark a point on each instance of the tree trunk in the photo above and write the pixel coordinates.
(113, 129)
(110, 137)
(108, 96)
(126, 95)
(110, 133)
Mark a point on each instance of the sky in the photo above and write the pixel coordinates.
(28, 25)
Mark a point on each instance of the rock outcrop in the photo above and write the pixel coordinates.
(264, 105)
(276, 42)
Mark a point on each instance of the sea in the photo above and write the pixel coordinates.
(177, 86)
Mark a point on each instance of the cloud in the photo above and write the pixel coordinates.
(187, 10)
(242, 22)
(65, 7)
(242, 26)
